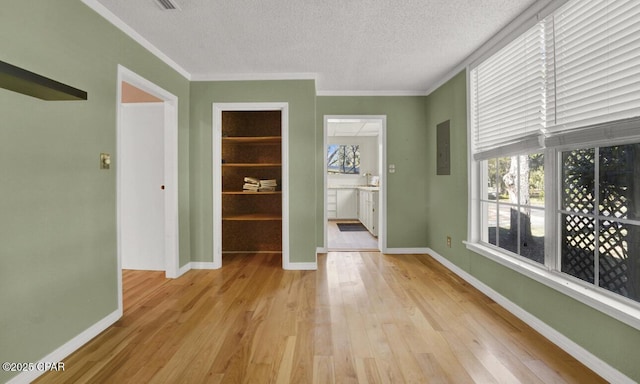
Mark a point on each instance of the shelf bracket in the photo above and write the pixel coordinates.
(28, 83)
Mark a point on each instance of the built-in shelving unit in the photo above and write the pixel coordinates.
(251, 146)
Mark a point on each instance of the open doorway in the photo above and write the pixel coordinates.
(147, 179)
(354, 183)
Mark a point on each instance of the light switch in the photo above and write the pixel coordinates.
(105, 161)
(392, 168)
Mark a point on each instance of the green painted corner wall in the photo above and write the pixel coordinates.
(610, 340)
(406, 148)
(58, 260)
(300, 94)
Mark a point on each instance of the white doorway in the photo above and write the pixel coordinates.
(354, 194)
(146, 164)
(217, 161)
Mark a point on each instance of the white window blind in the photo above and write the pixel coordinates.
(593, 63)
(508, 96)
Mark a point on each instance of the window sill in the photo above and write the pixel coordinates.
(628, 313)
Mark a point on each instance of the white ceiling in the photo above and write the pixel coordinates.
(348, 46)
(353, 127)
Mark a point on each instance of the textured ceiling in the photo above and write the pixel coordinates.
(367, 46)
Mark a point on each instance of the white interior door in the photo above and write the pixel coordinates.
(142, 197)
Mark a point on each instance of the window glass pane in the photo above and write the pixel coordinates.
(578, 246)
(578, 172)
(620, 258)
(532, 234)
(492, 179)
(490, 214)
(536, 179)
(505, 179)
(343, 159)
(620, 181)
(507, 228)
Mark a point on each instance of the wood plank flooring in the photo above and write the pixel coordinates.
(362, 317)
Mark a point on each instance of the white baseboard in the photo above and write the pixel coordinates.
(184, 269)
(407, 251)
(301, 266)
(585, 357)
(69, 347)
(202, 265)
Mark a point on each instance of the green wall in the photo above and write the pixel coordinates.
(300, 94)
(57, 209)
(612, 341)
(407, 222)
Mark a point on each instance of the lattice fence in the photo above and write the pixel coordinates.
(614, 237)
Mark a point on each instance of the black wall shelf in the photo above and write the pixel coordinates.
(22, 81)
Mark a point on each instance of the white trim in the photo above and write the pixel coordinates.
(124, 27)
(320, 250)
(171, 226)
(603, 369)
(203, 265)
(69, 347)
(253, 76)
(301, 266)
(371, 93)
(184, 269)
(216, 158)
(382, 212)
(584, 293)
(407, 251)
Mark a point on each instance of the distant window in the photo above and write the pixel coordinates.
(343, 159)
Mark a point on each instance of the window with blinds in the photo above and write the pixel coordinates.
(508, 93)
(555, 135)
(579, 67)
(594, 76)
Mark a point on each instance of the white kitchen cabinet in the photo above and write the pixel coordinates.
(347, 203)
(368, 209)
(342, 203)
(332, 203)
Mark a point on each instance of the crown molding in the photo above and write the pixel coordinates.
(371, 93)
(253, 76)
(124, 27)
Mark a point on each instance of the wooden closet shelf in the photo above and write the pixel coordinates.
(252, 165)
(252, 139)
(253, 217)
(252, 193)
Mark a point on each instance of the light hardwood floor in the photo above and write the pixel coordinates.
(361, 317)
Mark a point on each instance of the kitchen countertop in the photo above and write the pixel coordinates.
(362, 187)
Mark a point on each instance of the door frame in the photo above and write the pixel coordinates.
(216, 157)
(170, 133)
(382, 197)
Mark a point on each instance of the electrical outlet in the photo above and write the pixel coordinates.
(449, 241)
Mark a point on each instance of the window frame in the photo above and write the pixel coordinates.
(553, 140)
(549, 274)
(519, 206)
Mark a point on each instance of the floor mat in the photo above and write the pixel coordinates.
(351, 227)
